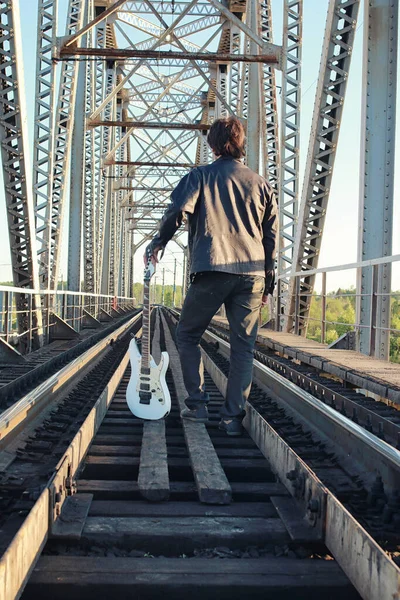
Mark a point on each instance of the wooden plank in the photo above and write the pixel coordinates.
(180, 489)
(173, 451)
(153, 478)
(177, 535)
(71, 521)
(298, 529)
(131, 508)
(212, 484)
(198, 578)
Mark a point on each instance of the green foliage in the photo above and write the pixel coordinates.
(156, 294)
(341, 316)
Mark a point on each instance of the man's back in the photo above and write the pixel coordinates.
(226, 225)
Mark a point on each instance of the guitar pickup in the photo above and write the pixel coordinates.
(145, 387)
(144, 397)
(145, 371)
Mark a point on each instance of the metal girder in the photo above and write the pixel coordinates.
(254, 93)
(290, 140)
(43, 138)
(89, 196)
(168, 8)
(106, 246)
(377, 171)
(269, 111)
(328, 110)
(99, 182)
(68, 54)
(149, 125)
(17, 173)
(65, 114)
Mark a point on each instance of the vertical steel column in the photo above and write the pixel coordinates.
(290, 139)
(328, 110)
(235, 34)
(43, 136)
(254, 133)
(62, 144)
(99, 181)
(377, 167)
(222, 87)
(269, 112)
(107, 248)
(17, 174)
(89, 196)
(75, 233)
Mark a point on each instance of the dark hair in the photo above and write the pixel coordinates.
(226, 137)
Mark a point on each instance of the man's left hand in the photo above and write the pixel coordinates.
(264, 299)
(153, 256)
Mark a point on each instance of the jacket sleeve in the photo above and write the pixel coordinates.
(270, 239)
(183, 200)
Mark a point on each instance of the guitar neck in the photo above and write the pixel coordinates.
(146, 326)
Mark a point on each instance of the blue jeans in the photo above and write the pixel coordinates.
(242, 296)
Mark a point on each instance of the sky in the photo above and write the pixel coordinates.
(339, 245)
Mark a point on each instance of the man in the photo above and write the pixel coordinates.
(232, 235)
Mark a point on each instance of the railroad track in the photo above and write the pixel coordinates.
(19, 378)
(375, 416)
(275, 539)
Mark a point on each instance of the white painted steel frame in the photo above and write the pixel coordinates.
(328, 110)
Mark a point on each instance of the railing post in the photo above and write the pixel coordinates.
(64, 306)
(297, 307)
(373, 312)
(323, 309)
(6, 310)
(30, 323)
(278, 306)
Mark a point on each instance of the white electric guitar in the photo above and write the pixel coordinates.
(147, 395)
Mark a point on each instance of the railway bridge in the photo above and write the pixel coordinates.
(104, 106)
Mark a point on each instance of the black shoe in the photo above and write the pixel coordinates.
(231, 427)
(199, 415)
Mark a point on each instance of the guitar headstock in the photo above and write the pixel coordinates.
(149, 269)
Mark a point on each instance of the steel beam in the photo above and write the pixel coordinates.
(377, 168)
(17, 174)
(269, 111)
(66, 54)
(328, 110)
(290, 139)
(149, 125)
(62, 143)
(43, 138)
(254, 94)
(75, 231)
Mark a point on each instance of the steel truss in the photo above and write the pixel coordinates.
(290, 142)
(65, 114)
(17, 170)
(377, 173)
(328, 110)
(43, 138)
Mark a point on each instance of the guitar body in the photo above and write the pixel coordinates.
(147, 395)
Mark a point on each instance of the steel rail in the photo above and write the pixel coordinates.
(32, 536)
(367, 565)
(21, 413)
